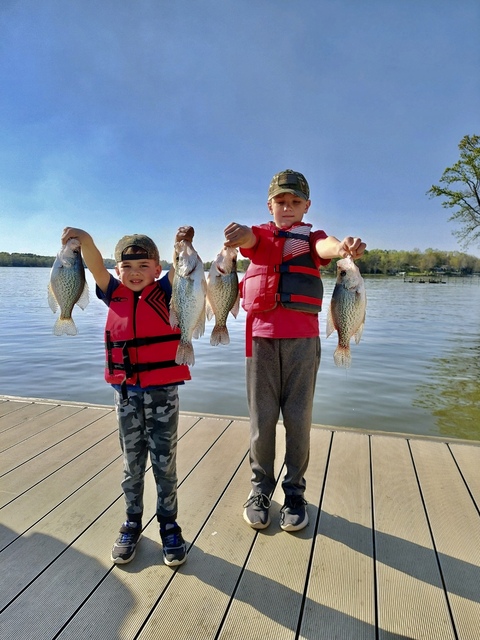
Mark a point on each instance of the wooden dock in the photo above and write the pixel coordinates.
(392, 550)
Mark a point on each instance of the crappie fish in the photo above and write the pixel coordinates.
(347, 310)
(187, 305)
(223, 296)
(67, 287)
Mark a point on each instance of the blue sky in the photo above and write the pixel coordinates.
(138, 116)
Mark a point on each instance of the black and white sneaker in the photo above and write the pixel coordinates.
(174, 547)
(293, 514)
(256, 512)
(125, 545)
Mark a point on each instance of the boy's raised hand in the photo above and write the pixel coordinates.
(238, 235)
(185, 233)
(353, 247)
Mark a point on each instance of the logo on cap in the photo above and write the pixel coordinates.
(289, 181)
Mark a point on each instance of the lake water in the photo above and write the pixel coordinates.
(416, 369)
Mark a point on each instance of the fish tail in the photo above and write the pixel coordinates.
(219, 336)
(65, 326)
(342, 357)
(185, 354)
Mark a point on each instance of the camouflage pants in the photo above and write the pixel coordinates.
(148, 424)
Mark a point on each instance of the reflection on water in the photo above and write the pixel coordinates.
(414, 371)
(452, 393)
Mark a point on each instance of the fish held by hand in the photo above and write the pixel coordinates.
(223, 296)
(67, 287)
(346, 314)
(187, 304)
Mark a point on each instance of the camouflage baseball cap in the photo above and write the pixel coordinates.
(150, 251)
(289, 181)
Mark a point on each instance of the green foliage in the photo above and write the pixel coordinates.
(460, 186)
(392, 262)
(25, 260)
(374, 262)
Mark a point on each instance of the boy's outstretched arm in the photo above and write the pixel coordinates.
(332, 247)
(239, 235)
(91, 255)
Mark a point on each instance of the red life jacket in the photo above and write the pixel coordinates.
(140, 344)
(295, 283)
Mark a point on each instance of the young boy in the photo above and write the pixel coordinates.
(282, 294)
(140, 364)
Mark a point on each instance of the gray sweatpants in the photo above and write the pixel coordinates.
(148, 424)
(281, 377)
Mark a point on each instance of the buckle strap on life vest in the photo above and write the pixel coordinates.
(290, 268)
(140, 342)
(281, 233)
(142, 367)
(295, 297)
(130, 369)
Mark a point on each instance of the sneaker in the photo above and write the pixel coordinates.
(174, 547)
(256, 510)
(125, 545)
(293, 514)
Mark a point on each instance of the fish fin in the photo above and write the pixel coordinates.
(342, 357)
(208, 309)
(236, 307)
(173, 318)
(84, 297)
(330, 323)
(52, 301)
(65, 326)
(199, 328)
(185, 354)
(219, 336)
(358, 333)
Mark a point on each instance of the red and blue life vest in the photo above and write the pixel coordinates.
(295, 283)
(140, 344)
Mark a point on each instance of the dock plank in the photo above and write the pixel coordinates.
(392, 550)
(468, 461)
(340, 596)
(411, 600)
(23, 412)
(52, 466)
(17, 434)
(153, 585)
(86, 549)
(84, 420)
(269, 596)
(455, 522)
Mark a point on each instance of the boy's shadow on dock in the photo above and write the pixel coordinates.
(39, 597)
(265, 595)
(424, 564)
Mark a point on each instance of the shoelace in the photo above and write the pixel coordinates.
(260, 500)
(130, 535)
(171, 537)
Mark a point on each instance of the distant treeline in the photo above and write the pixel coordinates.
(375, 261)
(389, 262)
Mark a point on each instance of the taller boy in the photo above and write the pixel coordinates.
(282, 294)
